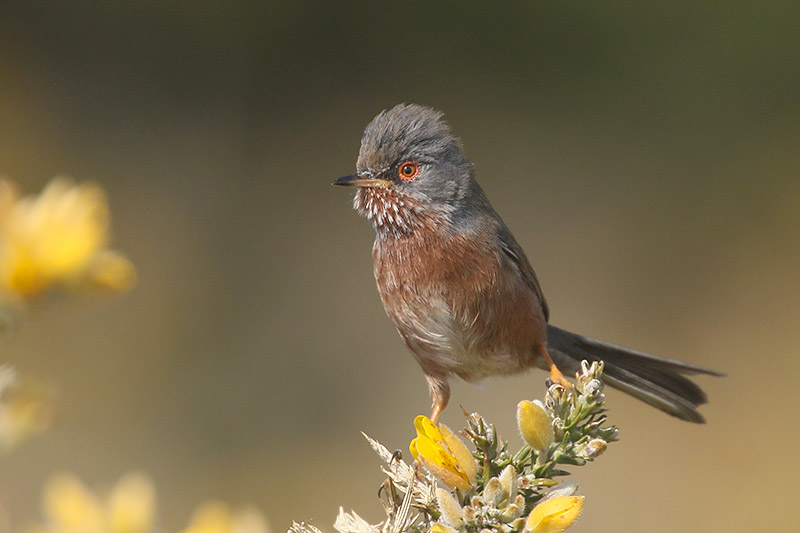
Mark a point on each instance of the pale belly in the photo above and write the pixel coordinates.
(470, 341)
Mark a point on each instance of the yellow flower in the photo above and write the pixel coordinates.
(217, 517)
(131, 505)
(58, 238)
(443, 454)
(535, 425)
(70, 507)
(554, 515)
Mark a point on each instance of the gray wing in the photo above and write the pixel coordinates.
(513, 250)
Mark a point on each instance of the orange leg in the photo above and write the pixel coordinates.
(555, 374)
(437, 410)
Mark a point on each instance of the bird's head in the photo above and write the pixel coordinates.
(410, 168)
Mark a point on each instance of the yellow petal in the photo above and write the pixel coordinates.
(413, 448)
(250, 520)
(111, 271)
(9, 194)
(64, 225)
(462, 455)
(70, 506)
(554, 515)
(435, 452)
(535, 425)
(217, 517)
(20, 273)
(131, 506)
(441, 463)
(448, 476)
(425, 427)
(211, 517)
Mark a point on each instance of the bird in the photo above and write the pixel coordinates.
(457, 285)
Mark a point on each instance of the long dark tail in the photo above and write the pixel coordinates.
(652, 379)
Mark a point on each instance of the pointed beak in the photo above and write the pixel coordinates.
(355, 180)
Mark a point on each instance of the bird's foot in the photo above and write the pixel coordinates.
(558, 378)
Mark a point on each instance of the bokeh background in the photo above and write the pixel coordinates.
(646, 155)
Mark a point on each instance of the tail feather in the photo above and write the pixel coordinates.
(655, 380)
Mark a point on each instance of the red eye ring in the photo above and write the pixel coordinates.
(408, 171)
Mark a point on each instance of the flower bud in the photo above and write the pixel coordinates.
(535, 425)
(594, 448)
(565, 488)
(508, 479)
(469, 512)
(452, 513)
(593, 387)
(554, 515)
(517, 525)
(511, 512)
(493, 492)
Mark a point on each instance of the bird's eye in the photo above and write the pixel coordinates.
(408, 171)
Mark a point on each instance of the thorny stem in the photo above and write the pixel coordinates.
(488, 506)
(522, 454)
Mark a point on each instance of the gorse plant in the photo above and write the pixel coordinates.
(451, 489)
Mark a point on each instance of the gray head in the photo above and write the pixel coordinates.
(409, 159)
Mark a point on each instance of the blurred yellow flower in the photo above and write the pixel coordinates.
(58, 238)
(535, 425)
(26, 408)
(70, 507)
(129, 507)
(554, 515)
(217, 517)
(443, 454)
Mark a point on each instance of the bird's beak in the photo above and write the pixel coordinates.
(355, 180)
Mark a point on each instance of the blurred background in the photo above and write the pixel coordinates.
(645, 155)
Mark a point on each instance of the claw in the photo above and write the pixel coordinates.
(558, 378)
(555, 374)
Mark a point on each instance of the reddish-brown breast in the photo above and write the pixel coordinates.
(457, 300)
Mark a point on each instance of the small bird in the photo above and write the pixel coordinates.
(457, 285)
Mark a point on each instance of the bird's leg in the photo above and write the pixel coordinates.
(436, 411)
(555, 374)
(440, 394)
